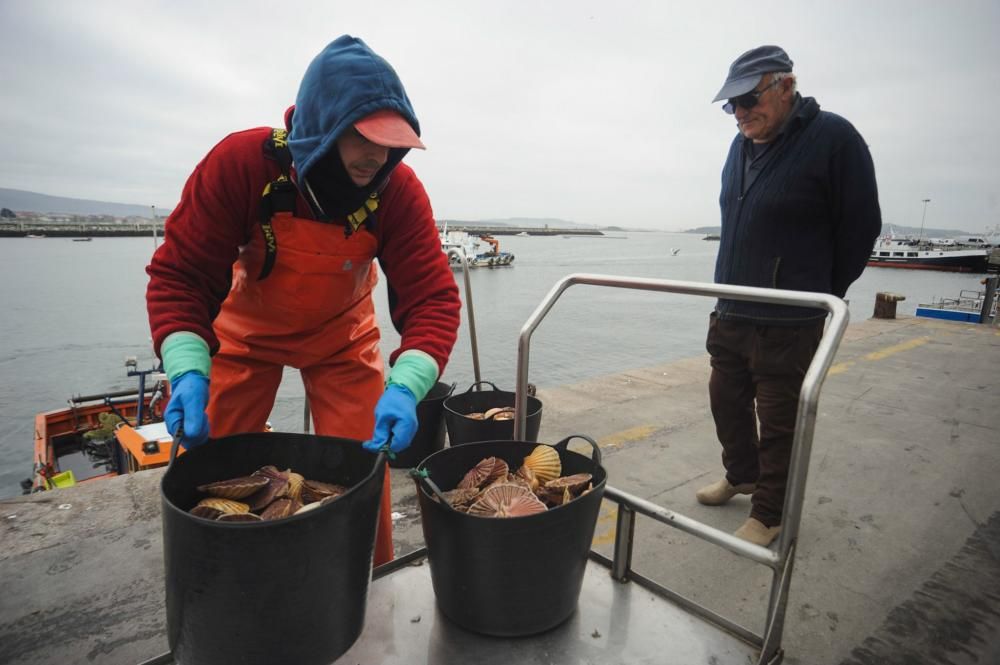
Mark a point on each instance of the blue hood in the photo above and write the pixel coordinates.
(343, 84)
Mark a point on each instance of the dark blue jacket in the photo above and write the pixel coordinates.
(806, 222)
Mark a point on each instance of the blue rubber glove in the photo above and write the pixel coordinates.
(188, 399)
(395, 414)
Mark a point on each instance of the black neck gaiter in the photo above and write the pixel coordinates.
(335, 192)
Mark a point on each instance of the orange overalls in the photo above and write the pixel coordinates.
(314, 312)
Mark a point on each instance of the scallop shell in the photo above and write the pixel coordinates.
(550, 496)
(224, 506)
(206, 512)
(461, 497)
(507, 500)
(527, 475)
(499, 413)
(238, 517)
(499, 472)
(280, 508)
(327, 499)
(309, 506)
(315, 490)
(294, 488)
(235, 488)
(515, 479)
(484, 473)
(271, 472)
(575, 483)
(544, 462)
(263, 497)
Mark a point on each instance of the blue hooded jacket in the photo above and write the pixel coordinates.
(344, 83)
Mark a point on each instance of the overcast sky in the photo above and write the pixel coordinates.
(595, 112)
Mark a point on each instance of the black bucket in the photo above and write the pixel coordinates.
(507, 576)
(462, 429)
(285, 591)
(430, 431)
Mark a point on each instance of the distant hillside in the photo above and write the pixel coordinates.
(523, 222)
(886, 229)
(19, 200)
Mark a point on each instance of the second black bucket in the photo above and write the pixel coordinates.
(462, 429)
(430, 430)
(292, 590)
(514, 576)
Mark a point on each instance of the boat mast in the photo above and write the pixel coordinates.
(922, 218)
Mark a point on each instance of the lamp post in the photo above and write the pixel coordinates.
(922, 218)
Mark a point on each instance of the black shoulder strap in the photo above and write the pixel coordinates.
(279, 196)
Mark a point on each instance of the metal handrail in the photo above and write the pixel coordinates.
(780, 560)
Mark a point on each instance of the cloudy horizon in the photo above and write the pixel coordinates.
(597, 113)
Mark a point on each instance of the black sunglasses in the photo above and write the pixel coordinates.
(748, 100)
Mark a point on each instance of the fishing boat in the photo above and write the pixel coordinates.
(712, 236)
(966, 308)
(891, 251)
(470, 246)
(102, 435)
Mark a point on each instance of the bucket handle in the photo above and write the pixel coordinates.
(479, 383)
(421, 478)
(175, 444)
(595, 455)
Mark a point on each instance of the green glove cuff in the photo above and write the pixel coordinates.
(416, 371)
(184, 352)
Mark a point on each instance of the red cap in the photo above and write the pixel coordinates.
(389, 129)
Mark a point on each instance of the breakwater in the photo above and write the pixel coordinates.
(136, 230)
(76, 230)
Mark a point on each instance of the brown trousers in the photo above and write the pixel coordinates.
(757, 372)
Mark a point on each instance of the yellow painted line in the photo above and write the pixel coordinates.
(619, 439)
(605, 533)
(909, 345)
(897, 348)
(840, 368)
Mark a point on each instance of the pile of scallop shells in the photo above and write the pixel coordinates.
(491, 489)
(266, 494)
(496, 413)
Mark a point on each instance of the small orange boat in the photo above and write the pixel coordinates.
(103, 435)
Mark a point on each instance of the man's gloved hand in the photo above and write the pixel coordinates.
(187, 363)
(188, 399)
(395, 415)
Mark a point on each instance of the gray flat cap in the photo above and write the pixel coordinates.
(746, 70)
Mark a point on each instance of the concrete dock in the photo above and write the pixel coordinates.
(899, 552)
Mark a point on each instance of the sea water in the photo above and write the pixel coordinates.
(72, 312)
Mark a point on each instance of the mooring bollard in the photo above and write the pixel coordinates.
(885, 305)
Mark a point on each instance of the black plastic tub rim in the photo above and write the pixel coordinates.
(289, 519)
(433, 492)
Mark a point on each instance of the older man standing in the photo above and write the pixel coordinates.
(799, 211)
